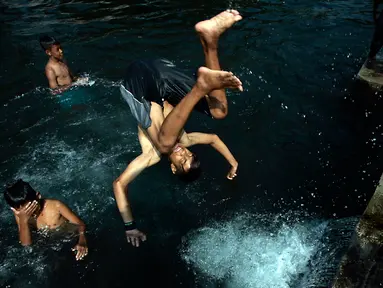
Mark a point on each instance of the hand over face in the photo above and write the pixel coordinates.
(26, 212)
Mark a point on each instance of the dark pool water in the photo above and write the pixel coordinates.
(307, 135)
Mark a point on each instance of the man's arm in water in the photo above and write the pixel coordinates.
(72, 76)
(81, 247)
(190, 139)
(52, 79)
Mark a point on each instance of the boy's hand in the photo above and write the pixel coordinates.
(134, 236)
(233, 172)
(26, 213)
(81, 250)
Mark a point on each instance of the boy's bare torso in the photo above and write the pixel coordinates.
(49, 217)
(61, 71)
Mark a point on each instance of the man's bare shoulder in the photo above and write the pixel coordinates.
(50, 67)
(52, 204)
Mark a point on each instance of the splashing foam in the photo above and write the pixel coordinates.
(92, 80)
(253, 251)
(57, 170)
(51, 161)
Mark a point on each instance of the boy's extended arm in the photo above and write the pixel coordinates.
(120, 185)
(195, 138)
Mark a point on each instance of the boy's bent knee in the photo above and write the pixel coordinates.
(219, 115)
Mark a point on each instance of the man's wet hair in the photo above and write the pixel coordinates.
(46, 42)
(194, 171)
(19, 193)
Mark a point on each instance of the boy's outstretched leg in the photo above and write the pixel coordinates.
(208, 80)
(209, 32)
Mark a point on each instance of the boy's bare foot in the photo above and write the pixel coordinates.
(209, 80)
(211, 29)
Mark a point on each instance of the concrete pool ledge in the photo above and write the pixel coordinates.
(373, 77)
(362, 265)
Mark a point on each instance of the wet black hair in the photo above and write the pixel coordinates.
(19, 193)
(46, 42)
(194, 171)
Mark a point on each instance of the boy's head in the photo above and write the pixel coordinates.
(184, 163)
(19, 194)
(52, 47)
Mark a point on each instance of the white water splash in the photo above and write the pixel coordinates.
(254, 251)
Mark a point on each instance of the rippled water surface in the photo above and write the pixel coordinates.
(306, 133)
